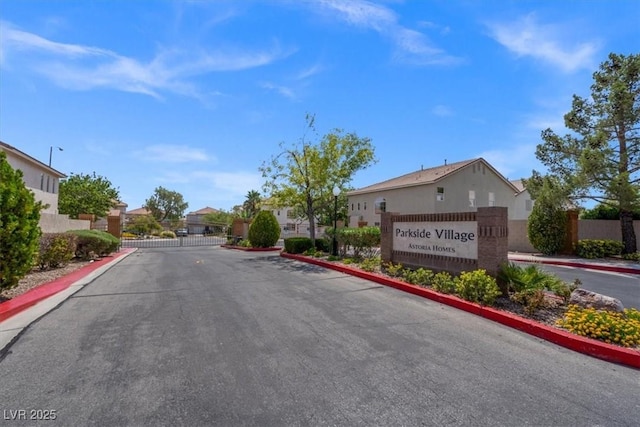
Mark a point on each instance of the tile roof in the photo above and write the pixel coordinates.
(518, 184)
(139, 211)
(204, 211)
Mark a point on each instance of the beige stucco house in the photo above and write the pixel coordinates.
(44, 182)
(455, 187)
(195, 220)
(523, 203)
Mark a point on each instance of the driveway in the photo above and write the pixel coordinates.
(208, 336)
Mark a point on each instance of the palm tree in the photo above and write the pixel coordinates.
(251, 205)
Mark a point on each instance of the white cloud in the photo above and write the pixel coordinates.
(232, 184)
(442, 111)
(172, 154)
(519, 159)
(411, 45)
(282, 90)
(80, 67)
(549, 43)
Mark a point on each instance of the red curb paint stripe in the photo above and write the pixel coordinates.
(30, 298)
(588, 346)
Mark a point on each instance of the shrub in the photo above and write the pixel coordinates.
(370, 264)
(443, 282)
(393, 270)
(128, 235)
(421, 277)
(635, 256)
(362, 241)
(264, 230)
(477, 286)
(297, 245)
(95, 243)
(546, 227)
(323, 244)
(526, 285)
(56, 250)
(168, 234)
(592, 248)
(19, 230)
(610, 327)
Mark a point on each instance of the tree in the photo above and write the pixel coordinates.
(600, 160)
(86, 194)
(303, 176)
(144, 224)
(264, 231)
(251, 204)
(166, 204)
(218, 218)
(19, 229)
(547, 224)
(607, 211)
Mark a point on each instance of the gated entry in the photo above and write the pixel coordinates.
(189, 240)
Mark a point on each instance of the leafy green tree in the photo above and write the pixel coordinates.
(86, 194)
(251, 204)
(600, 160)
(218, 218)
(264, 231)
(19, 230)
(607, 211)
(166, 205)
(547, 224)
(303, 176)
(144, 224)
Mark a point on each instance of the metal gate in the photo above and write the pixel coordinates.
(182, 241)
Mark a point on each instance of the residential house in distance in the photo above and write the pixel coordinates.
(290, 224)
(44, 182)
(195, 220)
(523, 204)
(455, 187)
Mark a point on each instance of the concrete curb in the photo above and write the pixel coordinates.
(585, 265)
(591, 347)
(32, 297)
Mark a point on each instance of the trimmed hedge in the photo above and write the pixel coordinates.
(362, 240)
(592, 248)
(297, 245)
(95, 243)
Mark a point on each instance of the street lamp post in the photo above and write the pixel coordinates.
(51, 153)
(334, 248)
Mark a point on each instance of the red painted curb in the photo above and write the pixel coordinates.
(591, 347)
(22, 302)
(242, 248)
(612, 268)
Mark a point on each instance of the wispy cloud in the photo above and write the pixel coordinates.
(236, 184)
(411, 46)
(549, 43)
(81, 67)
(442, 111)
(282, 90)
(172, 154)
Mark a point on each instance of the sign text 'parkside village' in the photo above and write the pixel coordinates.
(450, 238)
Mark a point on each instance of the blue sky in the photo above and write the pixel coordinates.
(195, 95)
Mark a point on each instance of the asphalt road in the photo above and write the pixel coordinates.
(208, 336)
(625, 287)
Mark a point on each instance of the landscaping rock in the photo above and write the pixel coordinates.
(588, 299)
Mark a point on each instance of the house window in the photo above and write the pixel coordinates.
(440, 194)
(351, 207)
(291, 214)
(48, 178)
(377, 224)
(472, 198)
(380, 205)
(358, 205)
(42, 181)
(365, 206)
(278, 213)
(492, 199)
(528, 204)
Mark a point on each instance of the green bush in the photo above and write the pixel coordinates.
(264, 230)
(95, 243)
(168, 234)
(443, 282)
(19, 230)
(546, 227)
(323, 244)
(56, 250)
(635, 256)
(421, 277)
(362, 241)
(526, 285)
(297, 245)
(477, 286)
(591, 248)
(393, 270)
(370, 264)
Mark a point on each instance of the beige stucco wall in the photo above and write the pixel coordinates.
(422, 198)
(519, 210)
(51, 223)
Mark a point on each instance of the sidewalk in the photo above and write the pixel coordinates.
(609, 264)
